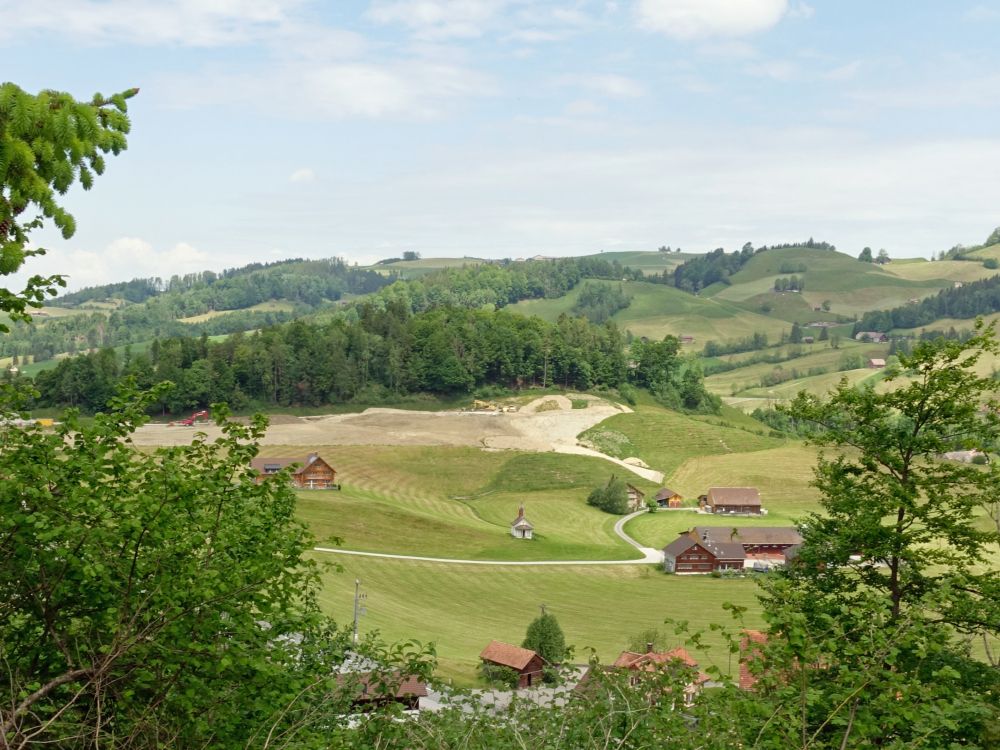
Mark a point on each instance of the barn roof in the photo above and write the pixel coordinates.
(651, 659)
(666, 493)
(371, 686)
(508, 655)
(749, 534)
(261, 464)
(680, 545)
(733, 496)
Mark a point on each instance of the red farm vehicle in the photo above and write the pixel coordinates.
(190, 421)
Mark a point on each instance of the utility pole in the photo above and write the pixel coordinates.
(359, 610)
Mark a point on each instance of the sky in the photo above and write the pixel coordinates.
(269, 129)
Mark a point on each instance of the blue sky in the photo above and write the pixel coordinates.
(268, 129)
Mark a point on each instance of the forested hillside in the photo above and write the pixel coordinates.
(961, 301)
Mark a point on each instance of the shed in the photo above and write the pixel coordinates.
(667, 498)
(876, 363)
(527, 663)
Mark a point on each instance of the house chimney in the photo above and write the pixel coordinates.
(649, 647)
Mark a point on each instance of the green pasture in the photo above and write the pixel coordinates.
(816, 384)
(458, 503)
(657, 310)
(817, 355)
(649, 262)
(949, 270)
(273, 305)
(460, 608)
(665, 439)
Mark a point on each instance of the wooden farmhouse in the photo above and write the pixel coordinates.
(527, 663)
(667, 498)
(742, 500)
(651, 661)
(373, 691)
(636, 498)
(312, 472)
(643, 667)
(875, 337)
(704, 549)
(520, 527)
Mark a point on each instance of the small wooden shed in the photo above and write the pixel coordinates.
(527, 663)
(667, 498)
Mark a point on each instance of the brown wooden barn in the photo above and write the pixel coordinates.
(312, 473)
(743, 500)
(527, 663)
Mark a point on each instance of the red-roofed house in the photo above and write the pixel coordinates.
(374, 690)
(750, 645)
(527, 663)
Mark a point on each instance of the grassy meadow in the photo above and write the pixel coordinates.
(458, 503)
(460, 608)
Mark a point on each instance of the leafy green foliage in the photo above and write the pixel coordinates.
(378, 354)
(166, 588)
(598, 302)
(966, 301)
(545, 638)
(611, 498)
(48, 142)
(896, 518)
(713, 267)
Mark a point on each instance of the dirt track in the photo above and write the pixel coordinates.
(554, 428)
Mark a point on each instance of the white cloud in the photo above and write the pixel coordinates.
(303, 174)
(615, 85)
(697, 19)
(844, 72)
(123, 259)
(778, 70)
(982, 13)
(402, 89)
(439, 19)
(583, 108)
(194, 23)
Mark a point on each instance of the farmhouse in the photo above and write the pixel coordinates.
(873, 336)
(655, 661)
(525, 662)
(743, 500)
(636, 497)
(876, 363)
(520, 527)
(313, 472)
(708, 548)
(667, 498)
(372, 691)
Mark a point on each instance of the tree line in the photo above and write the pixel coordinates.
(966, 301)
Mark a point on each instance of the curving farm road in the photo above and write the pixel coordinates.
(650, 555)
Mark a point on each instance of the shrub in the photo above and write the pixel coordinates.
(612, 498)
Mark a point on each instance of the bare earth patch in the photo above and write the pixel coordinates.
(549, 423)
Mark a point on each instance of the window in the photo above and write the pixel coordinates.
(272, 468)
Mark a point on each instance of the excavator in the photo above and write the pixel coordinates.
(190, 421)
